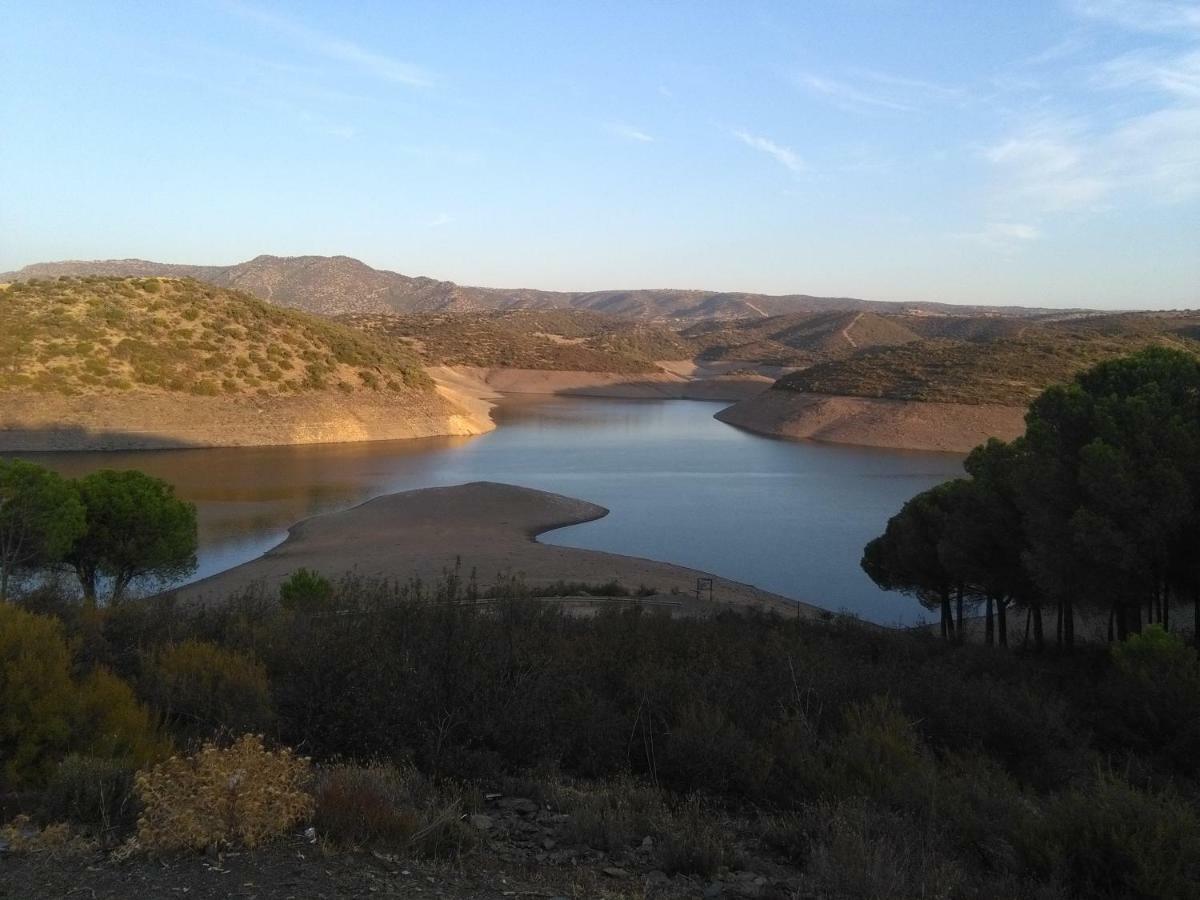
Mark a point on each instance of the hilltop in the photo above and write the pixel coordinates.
(168, 361)
(570, 340)
(334, 285)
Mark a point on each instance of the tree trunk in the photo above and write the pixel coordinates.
(947, 616)
(4, 583)
(1196, 617)
(1069, 623)
(1122, 620)
(1135, 626)
(1002, 620)
(1166, 608)
(1028, 619)
(958, 632)
(989, 628)
(1112, 620)
(87, 581)
(1058, 622)
(1039, 637)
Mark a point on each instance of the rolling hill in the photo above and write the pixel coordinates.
(797, 340)
(175, 361)
(564, 340)
(333, 285)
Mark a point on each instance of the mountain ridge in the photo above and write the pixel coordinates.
(338, 285)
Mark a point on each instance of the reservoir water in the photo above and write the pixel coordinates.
(790, 517)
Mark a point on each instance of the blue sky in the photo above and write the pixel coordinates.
(1040, 153)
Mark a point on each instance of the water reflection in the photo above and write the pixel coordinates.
(789, 517)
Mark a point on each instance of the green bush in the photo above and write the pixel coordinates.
(94, 793)
(204, 690)
(307, 591)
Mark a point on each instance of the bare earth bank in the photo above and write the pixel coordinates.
(898, 424)
(490, 528)
(151, 420)
(697, 384)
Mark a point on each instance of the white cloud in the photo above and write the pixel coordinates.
(785, 156)
(440, 220)
(629, 133)
(338, 49)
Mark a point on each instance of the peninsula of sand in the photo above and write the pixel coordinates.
(484, 527)
(870, 422)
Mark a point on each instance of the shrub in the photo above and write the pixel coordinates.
(611, 815)
(384, 804)
(37, 697)
(1111, 840)
(306, 590)
(695, 843)
(242, 795)
(111, 724)
(205, 690)
(879, 752)
(96, 793)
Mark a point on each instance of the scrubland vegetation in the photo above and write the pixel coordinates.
(101, 334)
(864, 762)
(1007, 371)
(531, 339)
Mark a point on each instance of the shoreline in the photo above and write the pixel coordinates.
(486, 527)
(871, 422)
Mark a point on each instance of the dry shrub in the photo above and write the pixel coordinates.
(360, 806)
(23, 836)
(612, 815)
(240, 795)
(695, 843)
(92, 792)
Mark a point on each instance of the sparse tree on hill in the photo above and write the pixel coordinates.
(136, 528)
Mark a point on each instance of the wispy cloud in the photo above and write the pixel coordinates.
(440, 220)
(629, 133)
(867, 90)
(1167, 16)
(338, 49)
(785, 156)
(1002, 235)
(847, 96)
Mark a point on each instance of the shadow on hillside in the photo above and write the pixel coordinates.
(76, 438)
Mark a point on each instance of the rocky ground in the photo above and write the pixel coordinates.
(524, 849)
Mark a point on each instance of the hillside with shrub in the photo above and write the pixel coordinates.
(94, 334)
(797, 340)
(568, 340)
(1006, 371)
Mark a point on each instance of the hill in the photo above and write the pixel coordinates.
(797, 340)
(570, 340)
(332, 285)
(1008, 371)
(158, 356)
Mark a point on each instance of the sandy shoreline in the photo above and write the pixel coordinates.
(484, 526)
(677, 382)
(894, 424)
(158, 420)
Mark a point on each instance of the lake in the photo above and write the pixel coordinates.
(790, 517)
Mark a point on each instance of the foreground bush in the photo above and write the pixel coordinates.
(242, 795)
(359, 806)
(204, 690)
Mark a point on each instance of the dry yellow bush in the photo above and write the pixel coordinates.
(243, 795)
(23, 836)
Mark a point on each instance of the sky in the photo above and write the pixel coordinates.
(1037, 153)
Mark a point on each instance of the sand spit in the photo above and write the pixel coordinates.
(702, 385)
(490, 527)
(897, 424)
(149, 420)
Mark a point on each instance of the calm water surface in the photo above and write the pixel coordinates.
(790, 517)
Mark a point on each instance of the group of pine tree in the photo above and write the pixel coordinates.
(1093, 516)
